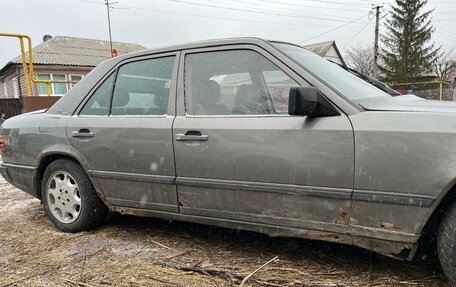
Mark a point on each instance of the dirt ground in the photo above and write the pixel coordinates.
(131, 251)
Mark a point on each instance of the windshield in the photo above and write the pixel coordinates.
(345, 83)
(376, 83)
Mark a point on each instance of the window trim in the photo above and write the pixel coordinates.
(115, 69)
(71, 85)
(181, 111)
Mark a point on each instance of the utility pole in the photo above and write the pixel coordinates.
(377, 24)
(108, 7)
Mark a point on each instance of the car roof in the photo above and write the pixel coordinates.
(198, 44)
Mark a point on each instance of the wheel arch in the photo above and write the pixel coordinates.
(44, 162)
(433, 222)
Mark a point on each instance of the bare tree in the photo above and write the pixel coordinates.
(361, 59)
(445, 68)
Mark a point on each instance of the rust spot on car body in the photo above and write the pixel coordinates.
(343, 217)
(184, 203)
(387, 226)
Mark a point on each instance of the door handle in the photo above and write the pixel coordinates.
(192, 136)
(82, 133)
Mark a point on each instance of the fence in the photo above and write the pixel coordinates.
(14, 107)
(431, 90)
(10, 107)
(31, 104)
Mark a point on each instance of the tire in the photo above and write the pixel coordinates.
(446, 244)
(70, 199)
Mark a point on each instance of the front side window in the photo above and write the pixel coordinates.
(142, 87)
(279, 85)
(235, 82)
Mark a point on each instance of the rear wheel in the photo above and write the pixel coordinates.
(446, 244)
(69, 197)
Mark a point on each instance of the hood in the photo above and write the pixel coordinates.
(408, 103)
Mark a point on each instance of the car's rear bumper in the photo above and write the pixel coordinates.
(21, 176)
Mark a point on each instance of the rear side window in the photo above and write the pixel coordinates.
(235, 82)
(142, 87)
(98, 104)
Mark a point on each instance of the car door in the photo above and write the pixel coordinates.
(240, 156)
(124, 132)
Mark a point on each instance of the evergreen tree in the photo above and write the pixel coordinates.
(407, 52)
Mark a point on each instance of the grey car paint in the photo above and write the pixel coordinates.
(371, 177)
(131, 148)
(292, 171)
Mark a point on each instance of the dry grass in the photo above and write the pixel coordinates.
(131, 251)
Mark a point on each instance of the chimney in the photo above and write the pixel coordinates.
(46, 37)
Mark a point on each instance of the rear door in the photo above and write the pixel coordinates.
(124, 132)
(240, 156)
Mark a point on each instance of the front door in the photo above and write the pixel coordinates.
(124, 132)
(240, 156)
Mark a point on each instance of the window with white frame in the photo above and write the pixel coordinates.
(5, 90)
(15, 88)
(74, 79)
(57, 89)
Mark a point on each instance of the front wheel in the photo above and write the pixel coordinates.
(69, 197)
(446, 244)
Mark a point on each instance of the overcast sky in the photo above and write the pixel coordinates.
(154, 23)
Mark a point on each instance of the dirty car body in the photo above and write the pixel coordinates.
(375, 174)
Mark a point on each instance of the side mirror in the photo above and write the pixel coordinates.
(308, 101)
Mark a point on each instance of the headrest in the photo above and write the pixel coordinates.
(209, 93)
(121, 98)
(247, 94)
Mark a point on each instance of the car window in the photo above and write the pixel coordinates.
(98, 104)
(235, 82)
(229, 85)
(279, 85)
(142, 87)
(350, 86)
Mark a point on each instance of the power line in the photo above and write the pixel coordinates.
(324, 33)
(254, 11)
(359, 32)
(259, 8)
(213, 17)
(299, 5)
(322, 1)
